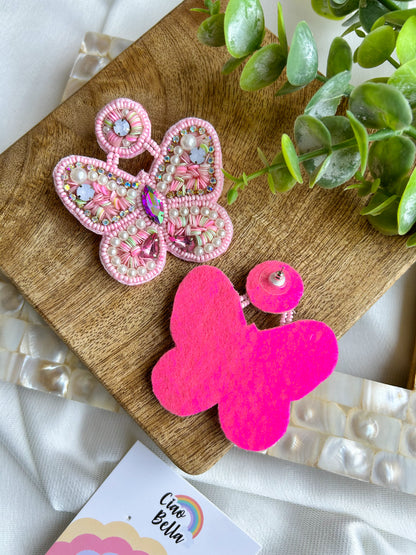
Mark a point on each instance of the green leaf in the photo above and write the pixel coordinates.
(287, 88)
(396, 18)
(281, 29)
(232, 195)
(386, 222)
(320, 171)
(263, 68)
(378, 105)
(407, 208)
(262, 157)
(376, 47)
(351, 28)
(215, 7)
(404, 79)
(391, 159)
(344, 162)
(378, 203)
(229, 176)
(325, 102)
(291, 158)
(302, 62)
(406, 41)
(231, 64)
(199, 10)
(411, 242)
(339, 57)
(369, 12)
(271, 183)
(341, 8)
(211, 31)
(322, 7)
(243, 26)
(361, 137)
(282, 179)
(311, 135)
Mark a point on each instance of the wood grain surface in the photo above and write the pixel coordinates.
(120, 332)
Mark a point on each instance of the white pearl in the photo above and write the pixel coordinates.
(188, 142)
(209, 247)
(219, 222)
(116, 260)
(123, 235)
(115, 241)
(178, 150)
(79, 175)
(112, 251)
(170, 168)
(213, 215)
(111, 185)
(125, 111)
(175, 160)
(167, 178)
(132, 229)
(132, 272)
(221, 233)
(132, 193)
(106, 129)
(121, 191)
(162, 187)
(141, 224)
(217, 242)
(183, 210)
(205, 211)
(173, 213)
(198, 251)
(103, 179)
(194, 210)
(141, 271)
(122, 269)
(92, 175)
(150, 265)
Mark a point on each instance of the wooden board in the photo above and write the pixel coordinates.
(120, 332)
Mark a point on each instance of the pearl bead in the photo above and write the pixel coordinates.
(183, 210)
(123, 235)
(92, 175)
(116, 260)
(221, 233)
(219, 222)
(209, 247)
(141, 271)
(175, 160)
(167, 178)
(115, 241)
(132, 229)
(198, 251)
(188, 142)
(205, 211)
(103, 179)
(216, 242)
(125, 111)
(79, 175)
(132, 193)
(132, 272)
(141, 224)
(111, 185)
(121, 191)
(213, 215)
(162, 187)
(194, 210)
(112, 251)
(173, 213)
(122, 269)
(178, 150)
(150, 265)
(170, 168)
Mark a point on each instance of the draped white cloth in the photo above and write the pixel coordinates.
(54, 453)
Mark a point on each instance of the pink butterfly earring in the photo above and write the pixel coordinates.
(252, 375)
(171, 208)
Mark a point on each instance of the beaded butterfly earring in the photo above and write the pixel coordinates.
(171, 208)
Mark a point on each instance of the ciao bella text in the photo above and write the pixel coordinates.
(171, 509)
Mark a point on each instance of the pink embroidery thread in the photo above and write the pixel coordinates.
(172, 208)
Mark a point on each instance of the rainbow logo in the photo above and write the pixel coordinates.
(197, 516)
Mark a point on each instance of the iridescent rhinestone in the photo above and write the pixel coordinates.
(170, 149)
(166, 159)
(105, 221)
(135, 185)
(87, 213)
(161, 168)
(85, 192)
(94, 219)
(100, 170)
(210, 149)
(90, 167)
(183, 132)
(72, 196)
(175, 139)
(122, 214)
(192, 129)
(150, 247)
(201, 130)
(211, 170)
(131, 208)
(209, 188)
(152, 205)
(213, 180)
(115, 218)
(110, 175)
(79, 164)
(119, 180)
(65, 176)
(159, 176)
(67, 187)
(200, 192)
(127, 184)
(121, 127)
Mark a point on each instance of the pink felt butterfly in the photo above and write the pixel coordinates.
(251, 375)
(172, 208)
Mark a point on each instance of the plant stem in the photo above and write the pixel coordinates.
(321, 78)
(393, 62)
(389, 4)
(411, 131)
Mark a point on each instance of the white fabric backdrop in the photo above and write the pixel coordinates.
(54, 453)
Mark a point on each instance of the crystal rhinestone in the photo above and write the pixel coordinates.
(186, 243)
(183, 132)
(211, 149)
(192, 129)
(87, 213)
(166, 159)
(105, 222)
(72, 196)
(127, 184)
(152, 205)
(197, 155)
(201, 130)
(213, 180)
(67, 187)
(175, 139)
(100, 170)
(121, 127)
(150, 247)
(119, 180)
(135, 185)
(85, 192)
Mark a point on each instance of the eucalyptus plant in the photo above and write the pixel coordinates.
(374, 143)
